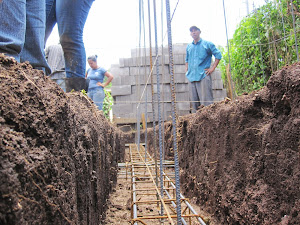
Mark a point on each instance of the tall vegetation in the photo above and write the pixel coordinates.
(263, 42)
(107, 103)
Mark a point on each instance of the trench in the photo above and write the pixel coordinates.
(59, 155)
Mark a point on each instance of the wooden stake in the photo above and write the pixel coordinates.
(143, 121)
(229, 82)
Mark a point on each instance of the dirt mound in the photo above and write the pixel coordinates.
(240, 159)
(58, 158)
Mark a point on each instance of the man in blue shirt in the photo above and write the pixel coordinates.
(198, 68)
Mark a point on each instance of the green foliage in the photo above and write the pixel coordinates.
(107, 103)
(83, 92)
(262, 43)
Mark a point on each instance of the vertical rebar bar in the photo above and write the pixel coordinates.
(158, 109)
(177, 181)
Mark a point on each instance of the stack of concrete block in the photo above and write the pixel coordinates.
(131, 86)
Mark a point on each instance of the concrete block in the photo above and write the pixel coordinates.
(127, 62)
(179, 69)
(144, 79)
(179, 59)
(128, 80)
(218, 99)
(166, 59)
(126, 99)
(181, 97)
(163, 107)
(142, 70)
(146, 52)
(141, 91)
(165, 96)
(180, 78)
(181, 88)
(219, 93)
(216, 75)
(183, 106)
(142, 107)
(116, 81)
(186, 80)
(128, 118)
(134, 62)
(122, 109)
(121, 62)
(165, 116)
(119, 71)
(179, 49)
(163, 87)
(133, 71)
(121, 90)
(217, 84)
(166, 78)
(183, 112)
(166, 106)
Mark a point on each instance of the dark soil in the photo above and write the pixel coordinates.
(58, 154)
(241, 159)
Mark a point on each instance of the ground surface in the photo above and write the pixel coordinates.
(57, 151)
(240, 159)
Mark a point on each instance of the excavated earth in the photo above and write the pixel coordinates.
(58, 154)
(240, 160)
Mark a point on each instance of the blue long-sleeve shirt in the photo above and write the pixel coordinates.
(198, 57)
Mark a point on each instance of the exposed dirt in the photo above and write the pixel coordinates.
(119, 203)
(58, 157)
(241, 159)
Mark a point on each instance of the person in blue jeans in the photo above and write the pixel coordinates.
(22, 31)
(198, 68)
(70, 16)
(95, 76)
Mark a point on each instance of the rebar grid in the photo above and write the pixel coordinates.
(143, 174)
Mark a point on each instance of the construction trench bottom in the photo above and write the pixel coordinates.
(239, 159)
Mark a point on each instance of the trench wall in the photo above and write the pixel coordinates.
(58, 154)
(239, 160)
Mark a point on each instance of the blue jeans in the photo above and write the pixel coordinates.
(97, 95)
(201, 92)
(70, 16)
(22, 31)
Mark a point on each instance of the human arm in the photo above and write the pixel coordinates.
(87, 72)
(217, 54)
(186, 59)
(212, 69)
(186, 66)
(109, 76)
